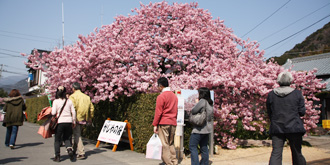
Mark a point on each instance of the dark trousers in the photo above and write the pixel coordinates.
(295, 141)
(202, 140)
(63, 130)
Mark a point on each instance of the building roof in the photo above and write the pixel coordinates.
(321, 62)
(328, 85)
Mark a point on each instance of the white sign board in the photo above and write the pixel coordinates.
(111, 131)
(180, 116)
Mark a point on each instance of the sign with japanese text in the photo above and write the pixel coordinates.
(111, 131)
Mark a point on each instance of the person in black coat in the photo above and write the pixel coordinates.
(285, 107)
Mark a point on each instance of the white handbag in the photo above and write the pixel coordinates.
(154, 148)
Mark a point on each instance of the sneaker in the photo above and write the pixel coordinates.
(81, 156)
(57, 159)
(11, 146)
(70, 152)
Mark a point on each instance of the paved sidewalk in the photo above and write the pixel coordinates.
(32, 149)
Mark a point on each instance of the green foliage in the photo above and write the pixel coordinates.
(139, 110)
(241, 133)
(116, 110)
(3, 93)
(316, 43)
(186, 135)
(141, 114)
(34, 106)
(323, 94)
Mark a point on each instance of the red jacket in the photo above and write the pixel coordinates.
(166, 109)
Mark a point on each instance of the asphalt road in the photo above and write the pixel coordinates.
(32, 149)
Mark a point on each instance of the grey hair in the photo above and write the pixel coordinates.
(76, 86)
(284, 79)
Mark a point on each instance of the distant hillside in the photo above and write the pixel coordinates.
(10, 80)
(21, 85)
(316, 43)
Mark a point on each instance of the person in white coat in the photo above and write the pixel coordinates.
(66, 121)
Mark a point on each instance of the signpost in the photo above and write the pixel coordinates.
(112, 131)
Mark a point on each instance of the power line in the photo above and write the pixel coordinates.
(28, 35)
(11, 55)
(298, 32)
(13, 72)
(13, 67)
(293, 22)
(299, 52)
(305, 52)
(284, 43)
(26, 38)
(265, 19)
(10, 50)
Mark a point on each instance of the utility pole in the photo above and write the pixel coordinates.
(102, 16)
(1, 65)
(63, 25)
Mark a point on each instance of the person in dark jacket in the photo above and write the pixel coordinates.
(200, 134)
(285, 107)
(14, 117)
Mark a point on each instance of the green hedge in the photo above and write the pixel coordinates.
(34, 106)
(139, 110)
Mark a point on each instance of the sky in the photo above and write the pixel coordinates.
(25, 25)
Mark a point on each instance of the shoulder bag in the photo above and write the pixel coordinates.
(53, 122)
(199, 119)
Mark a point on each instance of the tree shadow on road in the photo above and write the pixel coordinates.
(120, 147)
(11, 160)
(319, 162)
(94, 151)
(27, 145)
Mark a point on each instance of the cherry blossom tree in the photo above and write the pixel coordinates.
(185, 44)
(190, 102)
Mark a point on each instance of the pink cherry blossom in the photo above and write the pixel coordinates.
(185, 44)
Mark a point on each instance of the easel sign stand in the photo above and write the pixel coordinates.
(111, 133)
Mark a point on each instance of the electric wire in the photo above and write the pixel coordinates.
(266, 19)
(10, 50)
(48, 38)
(11, 55)
(28, 35)
(13, 72)
(12, 67)
(293, 22)
(298, 32)
(26, 38)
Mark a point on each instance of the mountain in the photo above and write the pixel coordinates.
(11, 80)
(21, 85)
(316, 43)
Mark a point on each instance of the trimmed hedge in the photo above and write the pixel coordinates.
(34, 106)
(138, 109)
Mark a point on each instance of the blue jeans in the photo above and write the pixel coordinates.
(202, 140)
(11, 135)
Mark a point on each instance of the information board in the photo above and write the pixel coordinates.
(111, 131)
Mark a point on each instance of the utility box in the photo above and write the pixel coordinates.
(326, 124)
